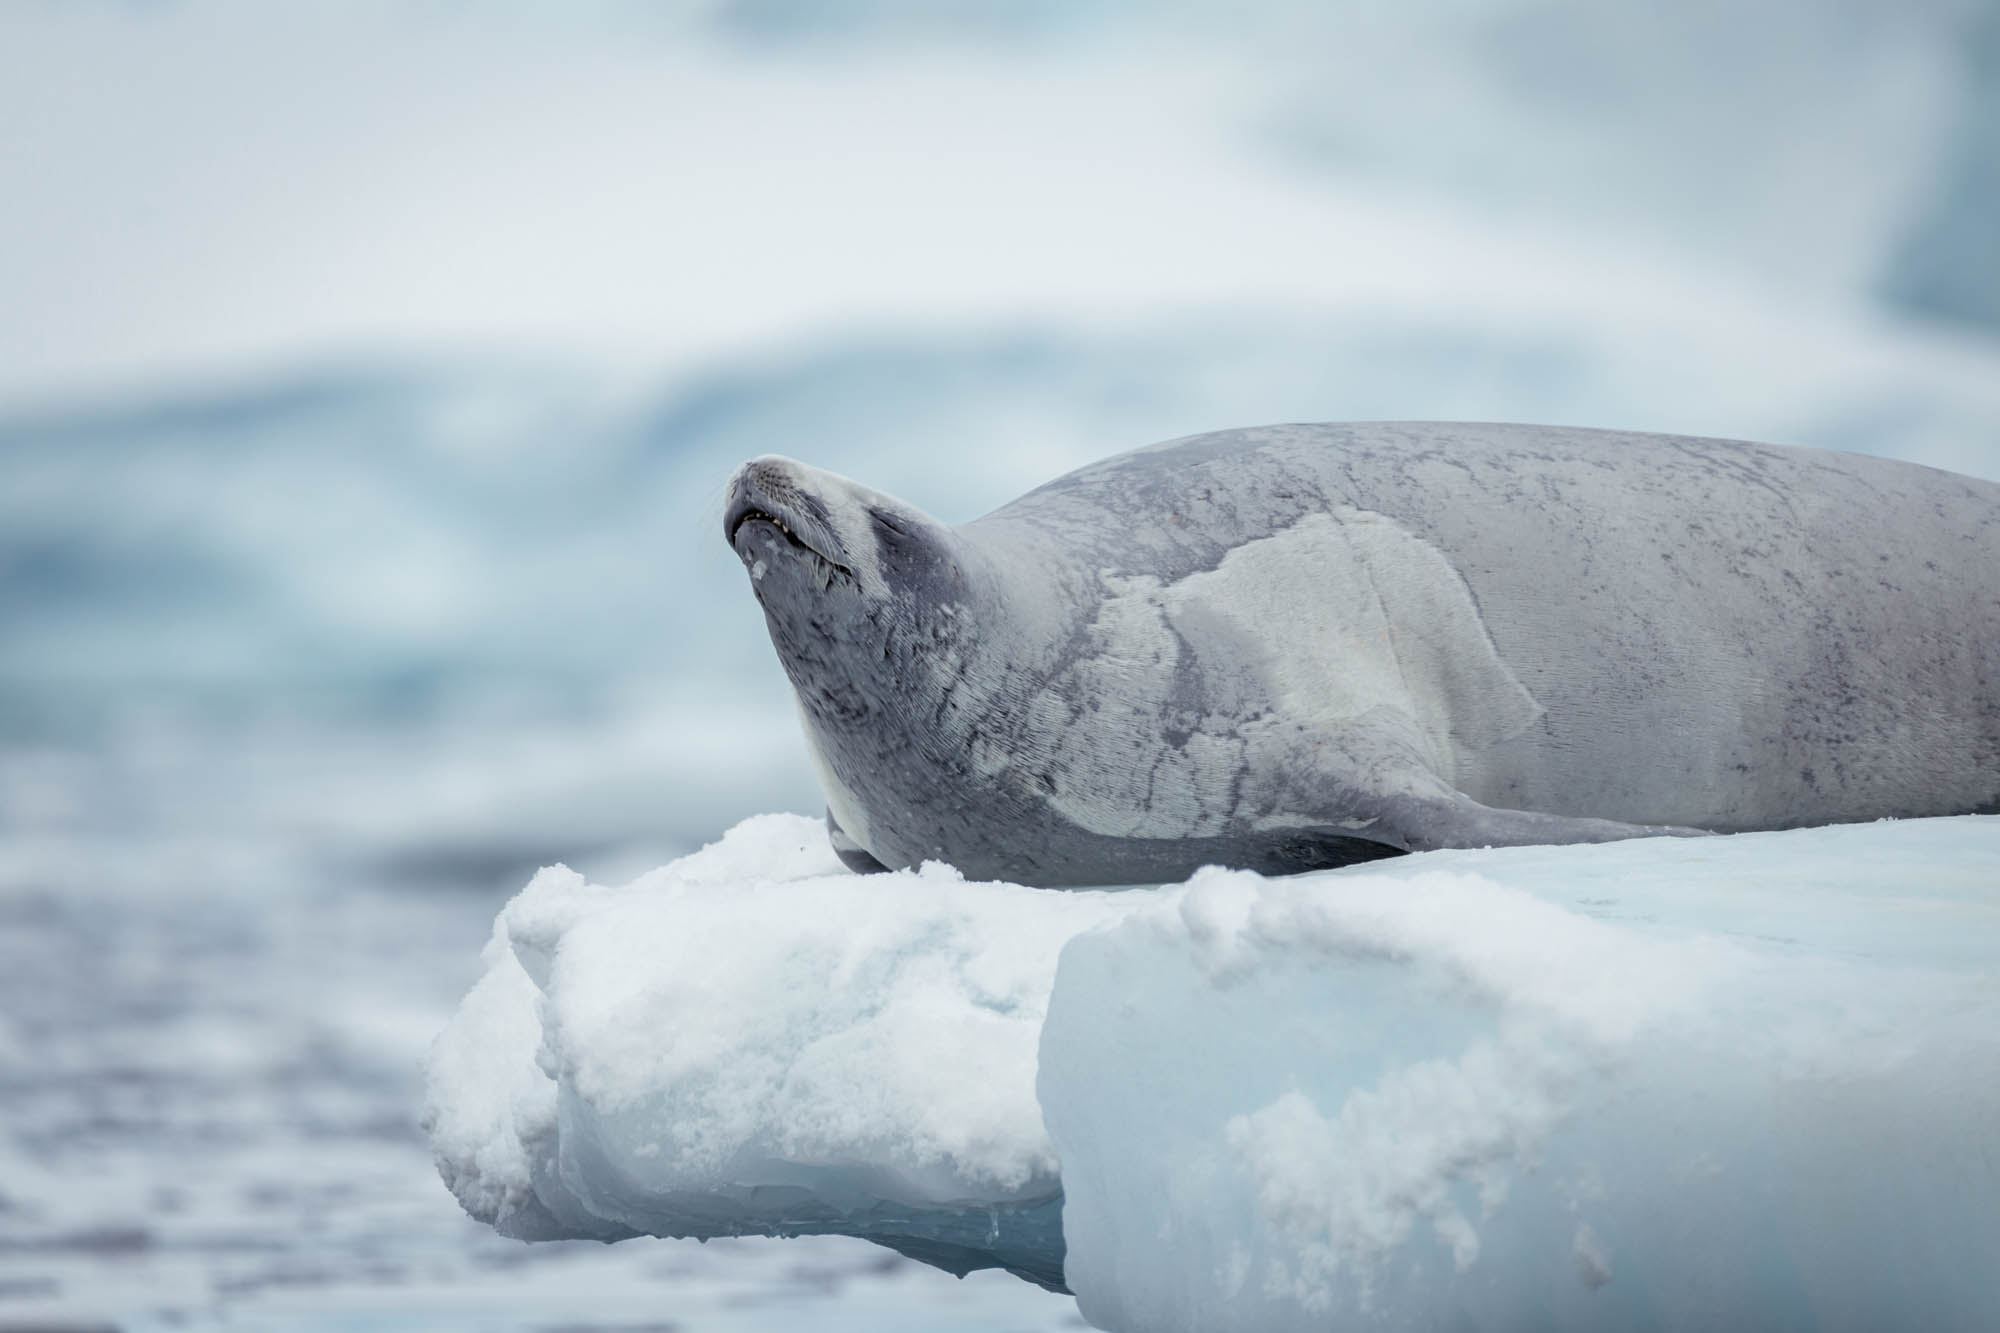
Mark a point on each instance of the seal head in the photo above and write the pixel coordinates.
(871, 606)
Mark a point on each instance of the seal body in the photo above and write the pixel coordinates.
(1299, 646)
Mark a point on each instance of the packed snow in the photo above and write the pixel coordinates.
(754, 1041)
(1745, 1081)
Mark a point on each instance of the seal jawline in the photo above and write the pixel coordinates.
(752, 514)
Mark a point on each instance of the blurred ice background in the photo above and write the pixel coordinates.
(369, 374)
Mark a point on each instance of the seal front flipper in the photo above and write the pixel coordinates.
(851, 853)
(1376, 779)
(1429, 822)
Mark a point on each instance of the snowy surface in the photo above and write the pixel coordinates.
(753, 1040)
(1748, 1081)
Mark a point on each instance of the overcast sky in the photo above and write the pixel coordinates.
(213, 189)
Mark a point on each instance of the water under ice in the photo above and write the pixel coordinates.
(1736, 1082)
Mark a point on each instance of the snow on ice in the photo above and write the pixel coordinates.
(1735, 1082)
(752, 1040)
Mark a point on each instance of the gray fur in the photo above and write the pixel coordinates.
(1301, 646)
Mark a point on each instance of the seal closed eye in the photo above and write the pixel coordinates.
(1297, 646)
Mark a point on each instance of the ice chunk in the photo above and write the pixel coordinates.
(753, 1041)
(1750, 1082)
(1731, 1082)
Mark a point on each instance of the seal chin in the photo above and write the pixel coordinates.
(768, 548)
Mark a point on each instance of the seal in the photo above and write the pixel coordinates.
(1301, 646)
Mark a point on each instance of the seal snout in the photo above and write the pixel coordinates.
(772, 491)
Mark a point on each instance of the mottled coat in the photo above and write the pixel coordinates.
(1300, 646)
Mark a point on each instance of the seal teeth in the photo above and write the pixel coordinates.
(765, 516)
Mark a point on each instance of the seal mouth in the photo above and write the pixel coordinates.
(752, 514)
(758, 515)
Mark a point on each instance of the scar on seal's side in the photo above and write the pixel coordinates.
(1301, 646)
